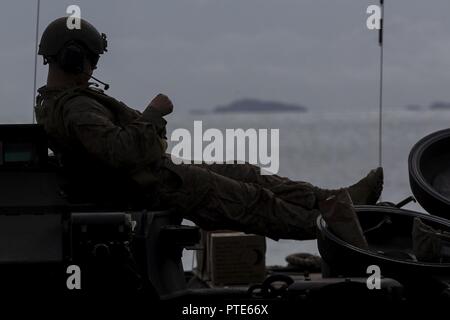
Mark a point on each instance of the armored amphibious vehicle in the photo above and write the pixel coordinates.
(53, 221)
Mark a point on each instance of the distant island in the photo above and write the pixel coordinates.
(414, 107)
(440, 106)
(435, 106)
(254, 105)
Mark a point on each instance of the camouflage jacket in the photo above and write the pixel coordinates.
(85, 124)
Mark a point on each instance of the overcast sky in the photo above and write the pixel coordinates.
(203, 53)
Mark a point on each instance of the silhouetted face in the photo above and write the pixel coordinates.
(83, 78)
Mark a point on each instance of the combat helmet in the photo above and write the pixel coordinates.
(58, 36)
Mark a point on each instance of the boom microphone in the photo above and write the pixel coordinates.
(105, 85)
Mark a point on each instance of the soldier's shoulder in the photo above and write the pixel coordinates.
(77, 98)
(81, 102)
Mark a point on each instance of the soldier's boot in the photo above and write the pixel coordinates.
(366, 191)
(430, 245)
(340, 216)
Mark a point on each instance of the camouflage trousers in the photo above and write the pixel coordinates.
(237, 197)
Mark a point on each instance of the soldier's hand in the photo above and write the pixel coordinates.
(162, 104)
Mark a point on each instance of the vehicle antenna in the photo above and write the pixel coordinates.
(380, 123)
(38, 9)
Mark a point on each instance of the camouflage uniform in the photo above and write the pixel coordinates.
(87, 124)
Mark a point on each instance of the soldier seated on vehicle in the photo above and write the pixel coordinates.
(85, 124)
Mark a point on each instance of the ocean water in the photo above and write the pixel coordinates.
(330, 149)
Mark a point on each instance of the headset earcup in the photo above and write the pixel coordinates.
(71, 59)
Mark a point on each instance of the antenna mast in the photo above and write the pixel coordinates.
(38, 9)
(380, 124)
